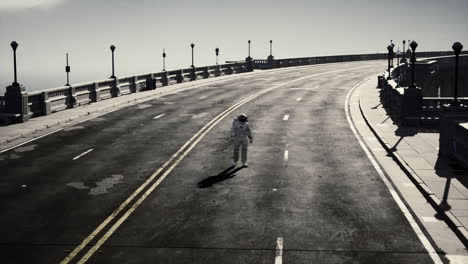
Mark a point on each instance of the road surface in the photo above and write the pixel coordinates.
(152, 183)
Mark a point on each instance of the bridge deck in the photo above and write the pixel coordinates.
(324, 198)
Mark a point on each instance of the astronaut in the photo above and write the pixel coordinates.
(240, 131)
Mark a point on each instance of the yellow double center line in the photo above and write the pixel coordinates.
(191, 143)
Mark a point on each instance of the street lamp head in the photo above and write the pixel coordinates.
(389, 48)
(404, 41)
(248, 41)
(217, 51)
(112, 48)
(413, 45)
(271, 41)
(164, 54)
(192, 45)
(14, 45)
(457, 47)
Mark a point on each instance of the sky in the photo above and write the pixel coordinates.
(48, 29)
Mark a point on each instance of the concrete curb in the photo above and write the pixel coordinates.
(460, 231)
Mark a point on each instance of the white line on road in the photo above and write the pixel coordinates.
(201, 98)
(305, 88)
(286, 117)
(82, 154)
(286, 155)
(298, 99)
(159, 116)
(279, 251)
(427, 245)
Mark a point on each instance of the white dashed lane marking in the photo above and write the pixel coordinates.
(159, 116)
(298, 99)
(279, 251)
(286, 117)
(286, 155)
(201, 98)
(82, 154)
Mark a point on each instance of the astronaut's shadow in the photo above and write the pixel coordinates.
(224, 175)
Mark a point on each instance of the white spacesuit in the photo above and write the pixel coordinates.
(240, 131)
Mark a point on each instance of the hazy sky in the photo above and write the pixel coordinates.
(140, 29)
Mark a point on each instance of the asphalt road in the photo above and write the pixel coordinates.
(322, 199)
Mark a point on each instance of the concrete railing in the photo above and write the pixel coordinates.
(435, 75)
(58, 99)
(290, 62)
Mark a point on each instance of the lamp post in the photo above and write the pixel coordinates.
(390, 50)
(271, 47)
(14, 45)
(249, 48)
(112, 48)
(67, 70)
(403, 55)
(398, 62)
(457, 47)
(413, 46)
(217, 53)
(393, 46)
(192, 45)
(164, 60)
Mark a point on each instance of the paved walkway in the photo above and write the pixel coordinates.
(441, 181)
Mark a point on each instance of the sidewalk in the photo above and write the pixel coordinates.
(442, 183)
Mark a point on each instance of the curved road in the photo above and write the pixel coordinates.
(310, 194)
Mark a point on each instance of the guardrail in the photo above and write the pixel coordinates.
(61, 98)
(392, 96)
(290, 62)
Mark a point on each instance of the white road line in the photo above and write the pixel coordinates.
(305, 88)
(427, 245)
(298, 99)
(159, 116)
(188, 146)
(82, 154)
(201, 98)
(286, 117)
(286, 155)
(279, 251)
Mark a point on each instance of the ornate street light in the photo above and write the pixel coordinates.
(67, 70)
(413, 46)
(390, 50)
(398, 62)
(192, 45)
(217, 53)
(403, 55)
(14, 45)
(271, 47)
(457, 47)
(249, 48)
(112, 48)
(393, 46)
(164, 60)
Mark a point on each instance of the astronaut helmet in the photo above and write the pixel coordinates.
(242, 118)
